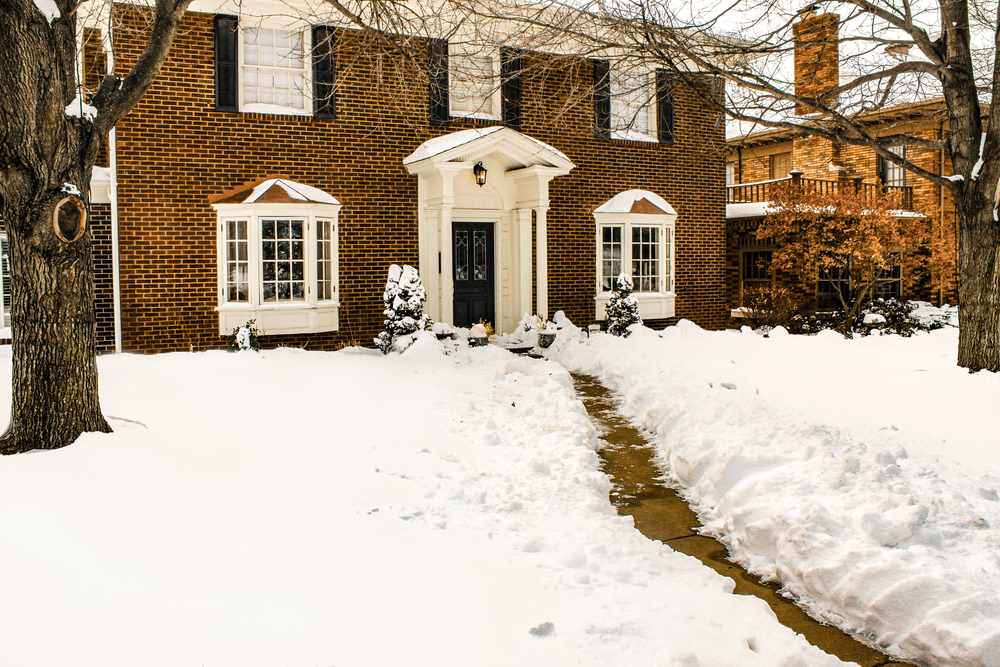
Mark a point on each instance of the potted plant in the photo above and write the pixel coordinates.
(479, 334)
(546, 333)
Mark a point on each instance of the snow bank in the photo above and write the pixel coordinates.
(310, 508)
(859, 474)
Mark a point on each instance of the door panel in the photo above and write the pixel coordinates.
(473, 273)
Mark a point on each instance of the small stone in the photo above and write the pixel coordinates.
(543, 630)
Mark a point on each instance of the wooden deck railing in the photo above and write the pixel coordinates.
(761, 191)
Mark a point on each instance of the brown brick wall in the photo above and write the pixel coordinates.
(175, 150)
(817, 56)
(100, 230)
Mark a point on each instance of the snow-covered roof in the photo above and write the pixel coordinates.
(278, 190)
(636, 201)
(757, 209)
(439, 145)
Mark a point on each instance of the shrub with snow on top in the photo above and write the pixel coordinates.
(623, 307)
(404, 309)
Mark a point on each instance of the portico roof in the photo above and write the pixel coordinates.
(467, 145)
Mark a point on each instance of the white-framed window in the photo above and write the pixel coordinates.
(635, 235)
(730, 173)
(892, 174)
(633, 103)
(473, 82)
(278, 266)
(275, 76)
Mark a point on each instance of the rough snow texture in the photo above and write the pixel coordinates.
(623, 201)
(301, 508)
(860, 474)
(78, 108)
(305, 193)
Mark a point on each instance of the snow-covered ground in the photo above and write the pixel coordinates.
(302, 508)
(861, 474)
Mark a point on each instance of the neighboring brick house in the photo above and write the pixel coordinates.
(756, 160)
(275, 169)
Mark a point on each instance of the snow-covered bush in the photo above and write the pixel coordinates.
(404, 309)
(244, 338)
(889, 316)
(623, 308)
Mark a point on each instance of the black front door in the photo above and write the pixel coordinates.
(473, 272)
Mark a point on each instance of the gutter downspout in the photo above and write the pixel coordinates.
(113, 196)
(115, 262)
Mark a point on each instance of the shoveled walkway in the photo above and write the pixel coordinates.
(660, 514)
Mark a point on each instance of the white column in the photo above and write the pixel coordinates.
(541, 259)
(446, 243)
(428, 219)
(524, 262)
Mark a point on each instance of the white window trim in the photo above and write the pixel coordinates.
(307, 82)
(652, 134)
(307, 316)
(496, 98)
(652, 305)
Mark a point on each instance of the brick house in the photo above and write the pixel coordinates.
(278, 166)
(757, 161)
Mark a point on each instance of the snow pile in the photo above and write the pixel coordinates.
(860, 474)
(309, 508)
(80, 109)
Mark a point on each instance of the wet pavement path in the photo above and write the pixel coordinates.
(660, 514)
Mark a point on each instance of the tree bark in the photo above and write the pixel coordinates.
(48, 144)
(979, 271)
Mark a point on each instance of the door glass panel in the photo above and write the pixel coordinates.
(461, 255)
(479, 261)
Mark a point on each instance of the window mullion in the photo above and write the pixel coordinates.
(310, 257)
(254, 255)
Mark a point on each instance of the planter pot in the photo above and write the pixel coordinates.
(478, 341)
(545, 339)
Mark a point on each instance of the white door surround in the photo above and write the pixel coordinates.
(518, 171)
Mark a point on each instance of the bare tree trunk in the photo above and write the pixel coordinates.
(52, 310)
(979, 257)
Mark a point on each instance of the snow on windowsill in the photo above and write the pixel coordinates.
(632, 135)
(274, 110)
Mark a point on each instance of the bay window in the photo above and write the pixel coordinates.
(635, 236)
(278, 260)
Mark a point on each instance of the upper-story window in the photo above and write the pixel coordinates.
(890, 173)
(632, 95)
(633, 102)
(730, 173)
(472, 77)
(276, 69)
(781, 165)
(274, 75)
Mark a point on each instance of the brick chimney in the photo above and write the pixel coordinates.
(817, 56)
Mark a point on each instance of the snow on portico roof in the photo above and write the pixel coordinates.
(439, 145)
(278, 190)
(636, 201)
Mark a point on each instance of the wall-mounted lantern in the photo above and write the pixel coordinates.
(480, 172)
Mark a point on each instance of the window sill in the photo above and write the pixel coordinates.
(739, 313)
(652, 306)
(629, 135)
(280, 319)
(483, 117)
(273, 110)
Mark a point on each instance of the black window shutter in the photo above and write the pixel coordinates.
(324, 72)
(602, 98)
(226, 57)
(510, 77)
(665, 107)
(437, 70)
(880, 170)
